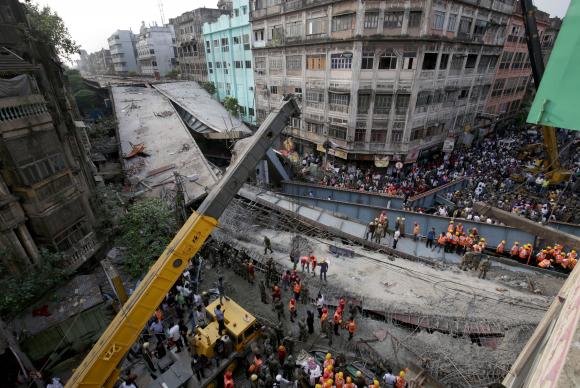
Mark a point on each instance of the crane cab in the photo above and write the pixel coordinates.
(242, 328)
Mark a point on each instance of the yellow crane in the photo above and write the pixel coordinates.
(100, 366)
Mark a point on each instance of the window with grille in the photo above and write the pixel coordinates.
(238, 64)
(274, 89)
(236, 40)
(506, 60)
(423, 98)
(343, 22)
(207, 47)
(260, 63)
(294, 29)
(339, 99)
(246, 41)
(316, 128)
(402, 104)
(393, 19)
(471, 61)
(379, 135)
(294, 62)
(276, 34)
(360, 134)
(275, 64)
(371, 20)
(364, 101)
(248, 64)
(429, 61)
(416, 133)
(498, 87)
(383, 104)
(259, 35)
(457, 63)
(225, 47)
(480, 27)
(216, 43)
(438, 20)
(396, 136)
(316, 62)
(337, 132)
(316, 26)
(388, 61)
(451, 22)
(368, 58)
(339, 61)
(414, 19)
(465, 25)
(314, 96)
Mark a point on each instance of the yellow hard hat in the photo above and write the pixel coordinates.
(573, 251)
(376, 383)
(503, 241)
(516, 243)
(402, 373)
(340, 375)
(328, 356)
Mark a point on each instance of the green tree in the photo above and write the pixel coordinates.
(19, 292)
(209, 87)
(86, 100)
(145, 230)
(232, 106)
(109, 210)
(46, 27)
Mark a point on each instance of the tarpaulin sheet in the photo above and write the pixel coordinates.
(557, 101)
(15, 87)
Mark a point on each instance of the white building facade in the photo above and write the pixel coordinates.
(122, 44)
(156, 50)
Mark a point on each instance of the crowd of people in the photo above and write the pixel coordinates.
(498, 173)
(272, 360)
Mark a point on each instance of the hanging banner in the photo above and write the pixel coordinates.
(412, 155)
(332, 151)
(382, 160)
(449, 144)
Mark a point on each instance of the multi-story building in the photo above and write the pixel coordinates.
(156, 50)
(514, 74)
(189, 41)
(548, 39)
(229, 57)
(377, 77)
(101, 62)
(123, 47)
(46, 177)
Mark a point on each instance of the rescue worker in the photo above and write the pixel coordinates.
(454, 241)
(313, 264)
(351, 327)
(359, 380)
(469, 243)
(292, 309)
(323, 319)
(459, 228)
(297, 288)
(524, 253)
(545, 264)
(305, 262)
(500, 248)
(572, 260)
(269, 270)
(337, 320)
(541, 256)
(401, 383)
(349, 383)
(482, 244)
(477, 256)
(448, 241)
(484, 267)
(267, 245)
(279, 308)
(276, 293)
(251, 271)
(515, 251)
(451, 227)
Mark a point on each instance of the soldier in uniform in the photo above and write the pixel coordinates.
(303, 331)
(466, 261)
(476, 260)
(279, 308)
(269, 270)
(484, 267)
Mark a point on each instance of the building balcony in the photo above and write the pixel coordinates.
(11, 214)
(47, 193)
(23, 111)
(81, 252)
(283, 7)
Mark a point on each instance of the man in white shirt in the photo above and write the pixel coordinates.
(175, 335)
(389, 379)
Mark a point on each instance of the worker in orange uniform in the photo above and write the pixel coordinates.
(339, 380)
(459, 228)
(559, 258)
(515, 251)
(500, 248)
(545, 264)
(448, 239)
(451, 227)
(292, 309)
(305, 262)
(337, 321)
(328, 360)
(454, 241)
(251, 271)
(349, 383)
(323, 319)
(351, 327)
(524, 253)
(572, 260)
(400, 382)
(469, 243)
(313, 263)
(228, 380)
(482, 244)
(276, 294)
(541, 256)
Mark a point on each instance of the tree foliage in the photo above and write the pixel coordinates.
(173, 74)
(19, 292)
(231, 105)
(109, 211)
(209, 87)
(145, 230)
(46, 27)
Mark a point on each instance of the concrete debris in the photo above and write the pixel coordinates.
(163, 114)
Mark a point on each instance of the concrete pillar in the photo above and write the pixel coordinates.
(11, 243)
(28, 243)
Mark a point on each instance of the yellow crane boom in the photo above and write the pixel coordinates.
(99, 368)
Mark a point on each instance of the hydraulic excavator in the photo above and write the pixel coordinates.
(551, 164)
(100, 368)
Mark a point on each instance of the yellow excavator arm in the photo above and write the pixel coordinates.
(100, 366)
